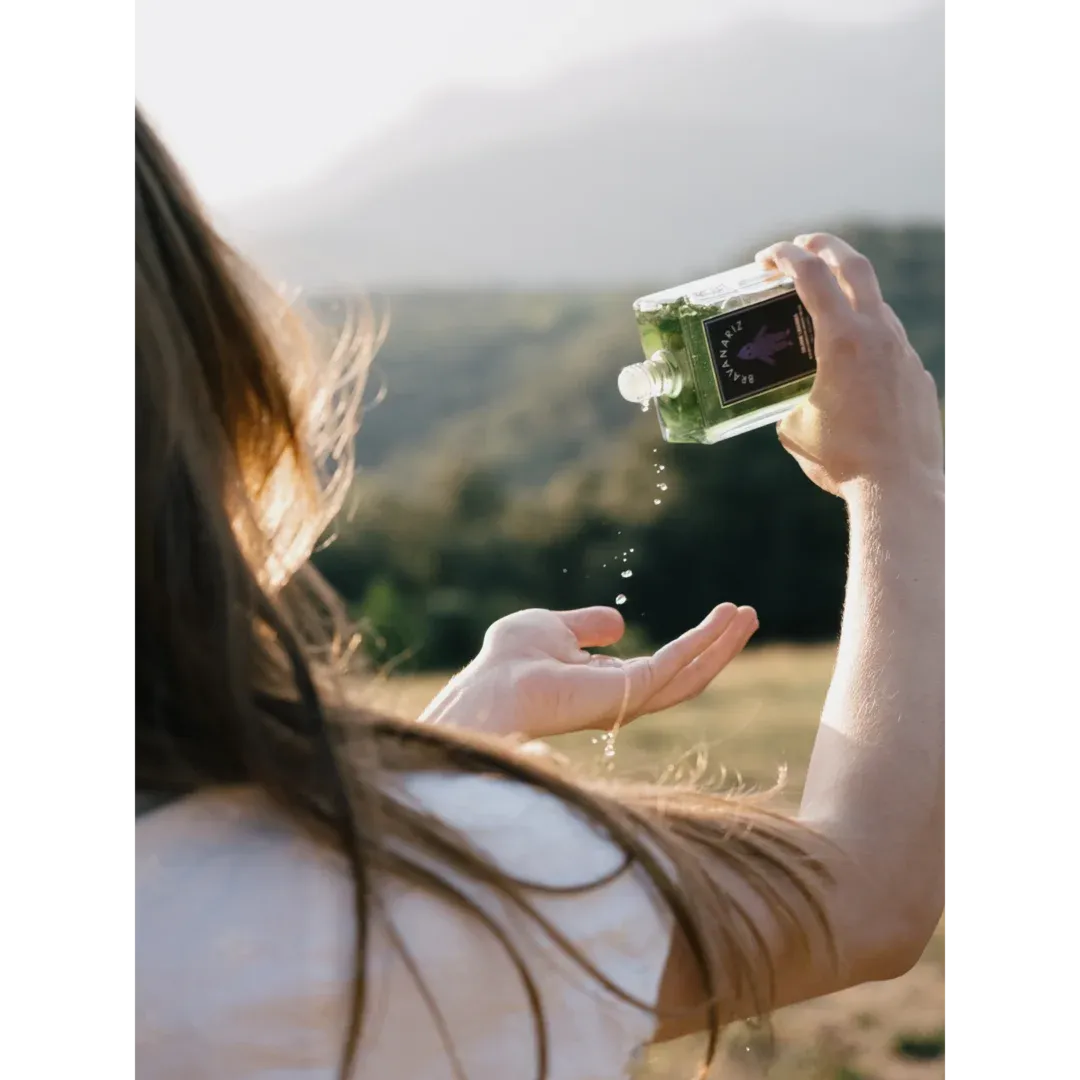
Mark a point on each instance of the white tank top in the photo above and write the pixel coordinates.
(244, 947)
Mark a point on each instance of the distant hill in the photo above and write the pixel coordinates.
(653, 166)
(524, 384)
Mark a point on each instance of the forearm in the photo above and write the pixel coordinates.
(875, 786)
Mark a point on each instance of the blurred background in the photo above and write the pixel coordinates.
(503, 179)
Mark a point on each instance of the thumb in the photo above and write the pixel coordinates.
(594, 627)
(801, 431)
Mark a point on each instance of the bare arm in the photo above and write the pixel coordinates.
(876, 783)
(874, 795)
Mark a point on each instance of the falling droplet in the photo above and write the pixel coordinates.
(620, 599)
(662, 487)
(656, 502)
(631, 550)
(662, 467)
(654, 449)
(564, 569)
(644, 406)
(627, 573)
(608, 739)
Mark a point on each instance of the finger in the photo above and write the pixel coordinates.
(594, 627)
(853, 270)
(615, 690)
(650, 675)
(697, 675)
(815, 283)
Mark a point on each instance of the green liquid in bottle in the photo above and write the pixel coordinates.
(724, 355)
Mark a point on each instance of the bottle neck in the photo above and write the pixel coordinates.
(657, 377)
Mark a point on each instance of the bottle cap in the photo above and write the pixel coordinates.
(636, 384)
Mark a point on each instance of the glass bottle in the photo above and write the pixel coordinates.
(724, 354)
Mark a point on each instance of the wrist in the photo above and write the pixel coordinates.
(470, 700)
(901, 525)
(918, 490)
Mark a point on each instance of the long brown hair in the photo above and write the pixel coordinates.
(244, 433)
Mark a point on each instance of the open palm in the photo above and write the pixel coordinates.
(534, 676)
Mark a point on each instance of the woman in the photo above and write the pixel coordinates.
(325, 892)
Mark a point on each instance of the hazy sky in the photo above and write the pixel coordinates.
(256, 95)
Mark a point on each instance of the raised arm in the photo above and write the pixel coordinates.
(874, 795)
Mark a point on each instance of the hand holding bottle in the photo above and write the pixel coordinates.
(873, 412)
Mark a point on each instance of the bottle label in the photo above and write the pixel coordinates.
(761, 347)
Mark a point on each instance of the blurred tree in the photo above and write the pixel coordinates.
(511, 474)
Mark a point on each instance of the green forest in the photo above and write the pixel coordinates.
(502, 470)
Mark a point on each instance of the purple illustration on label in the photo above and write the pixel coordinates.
(765, 346)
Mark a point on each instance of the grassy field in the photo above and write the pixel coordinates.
(756, 718)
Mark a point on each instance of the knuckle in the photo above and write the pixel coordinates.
(500, 628)
(785, 250)
(812, 270)
(857, 263)
(890, 322)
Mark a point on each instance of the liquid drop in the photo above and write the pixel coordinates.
(656, 502)
(627, 573)
(662, 487)
(620, 599)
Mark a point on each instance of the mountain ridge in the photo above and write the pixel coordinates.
(627, 169)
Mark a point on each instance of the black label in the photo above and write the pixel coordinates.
(761, 347)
